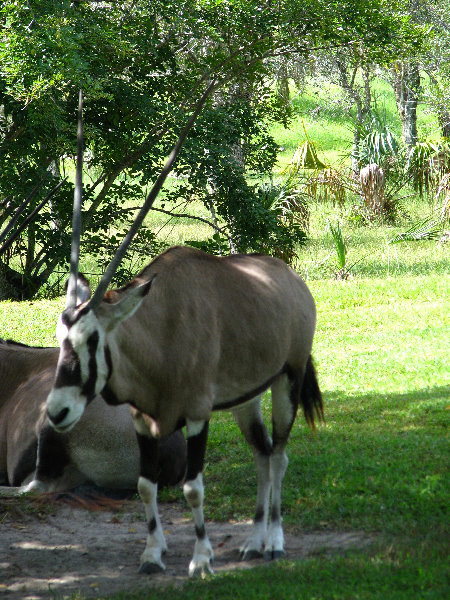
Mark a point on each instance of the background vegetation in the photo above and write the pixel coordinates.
(153, 66)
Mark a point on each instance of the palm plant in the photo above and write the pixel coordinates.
(306, 164)
(341, 250)
(426, 163)
(378, 144)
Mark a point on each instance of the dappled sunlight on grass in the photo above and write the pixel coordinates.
(31, 322)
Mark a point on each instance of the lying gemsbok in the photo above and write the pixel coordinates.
(101, 450)
(191, 334)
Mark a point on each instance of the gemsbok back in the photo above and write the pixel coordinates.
(101, 450)
(191, 334)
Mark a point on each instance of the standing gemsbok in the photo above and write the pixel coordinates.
(192, 333)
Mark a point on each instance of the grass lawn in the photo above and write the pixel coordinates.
(380, 465)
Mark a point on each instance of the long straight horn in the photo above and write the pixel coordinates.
(71, 296)
(120, 253)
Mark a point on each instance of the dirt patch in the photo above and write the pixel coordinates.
(54, 553)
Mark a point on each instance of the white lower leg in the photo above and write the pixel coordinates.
(254, 544)
(156, 543)
(203, 552)
(275, 538)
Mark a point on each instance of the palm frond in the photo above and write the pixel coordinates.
(339, 243)
(305, 157)
(427, 229)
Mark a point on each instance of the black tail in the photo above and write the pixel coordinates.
(311, 396)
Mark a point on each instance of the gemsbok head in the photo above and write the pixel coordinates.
(191, 334)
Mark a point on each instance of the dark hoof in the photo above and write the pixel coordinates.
(274, 554)
(150, 568)
(251, 555)
(203, 571)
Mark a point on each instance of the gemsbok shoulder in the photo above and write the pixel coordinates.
(191, 334)
(101, 450)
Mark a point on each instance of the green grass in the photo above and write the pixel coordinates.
(380, 465)
(385, 576)
(31, 322)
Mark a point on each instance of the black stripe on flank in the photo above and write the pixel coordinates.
(249, 395)
(68, 372)
(88, 389)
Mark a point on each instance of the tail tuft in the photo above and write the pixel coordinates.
(311, 396)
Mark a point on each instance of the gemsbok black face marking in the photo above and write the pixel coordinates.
(82, 368)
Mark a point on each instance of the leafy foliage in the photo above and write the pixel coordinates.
(143, 67)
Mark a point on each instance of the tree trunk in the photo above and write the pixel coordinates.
(444, 122)
(362, 99)
(406, 88)
(355, 153)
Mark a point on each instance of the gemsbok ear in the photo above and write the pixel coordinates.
(83, 289)
(110, 315)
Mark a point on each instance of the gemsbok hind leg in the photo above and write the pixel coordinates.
(151, 559)
(197, 435)
(285, 399)
(250, 421)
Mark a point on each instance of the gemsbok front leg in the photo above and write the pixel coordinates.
(251, 424)
(151, 559)
(197, 435)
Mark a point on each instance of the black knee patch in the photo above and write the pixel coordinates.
(259, 514)
(260, 438)
(151, 526)
(148, 456)
(196, 446)
(200, 532)
(53, 456)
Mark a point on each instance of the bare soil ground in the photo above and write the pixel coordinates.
(52, 552)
